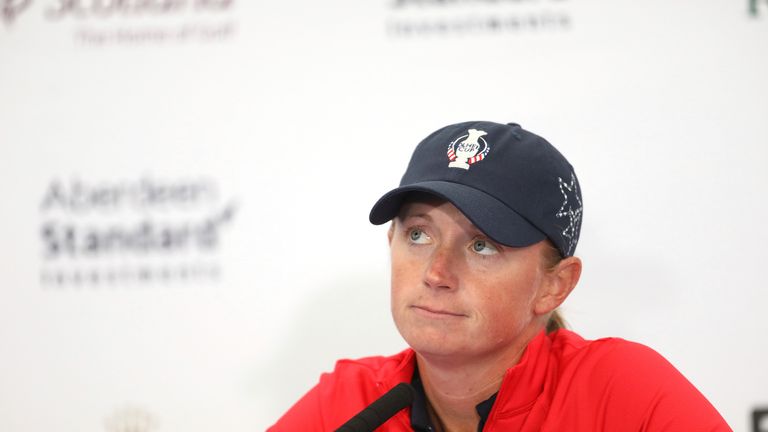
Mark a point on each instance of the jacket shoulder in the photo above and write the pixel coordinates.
(626, 382)
(342, 393)
(616, 363)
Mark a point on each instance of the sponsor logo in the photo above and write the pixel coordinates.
(130, 419)
(132, 21)
(136, 231)
(83, 9)
(754, 6)
(10, 9)
(760, 420)
(414, 18)
(423, 3)
(99, 9)
(471, 148)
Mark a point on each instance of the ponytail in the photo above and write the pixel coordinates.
(556, 322)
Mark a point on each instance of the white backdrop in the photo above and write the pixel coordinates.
(185, 188)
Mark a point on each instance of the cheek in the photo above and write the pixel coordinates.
(401, 295)
(405, 270)
(396, 293)
(402, 279)
(510, 306)
(503, 320)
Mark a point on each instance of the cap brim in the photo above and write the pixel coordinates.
(491, 216)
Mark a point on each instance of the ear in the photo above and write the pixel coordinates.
(391, 232)
(561, 280)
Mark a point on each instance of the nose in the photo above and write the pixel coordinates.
(441, 270)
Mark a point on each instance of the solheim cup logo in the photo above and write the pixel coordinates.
(471, 148)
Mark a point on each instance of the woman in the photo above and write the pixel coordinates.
(484, 227)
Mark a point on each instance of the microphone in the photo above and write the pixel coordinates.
(381, 410)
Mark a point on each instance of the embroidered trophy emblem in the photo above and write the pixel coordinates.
(468, 149)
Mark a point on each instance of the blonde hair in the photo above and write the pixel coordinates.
(556, 322)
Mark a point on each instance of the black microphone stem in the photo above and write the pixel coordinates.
(381, 410)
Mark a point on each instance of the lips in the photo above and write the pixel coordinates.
(437, 312)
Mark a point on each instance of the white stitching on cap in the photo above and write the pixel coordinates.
(571, 232)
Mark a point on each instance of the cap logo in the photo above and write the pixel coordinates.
(571, 209)
(468, 149)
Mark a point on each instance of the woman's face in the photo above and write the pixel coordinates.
(456, 293)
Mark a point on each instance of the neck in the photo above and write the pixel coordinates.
(455, 388)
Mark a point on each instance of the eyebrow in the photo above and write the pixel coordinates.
(416, 215)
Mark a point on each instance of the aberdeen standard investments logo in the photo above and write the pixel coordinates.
(129, 232)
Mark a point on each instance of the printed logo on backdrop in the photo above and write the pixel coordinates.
(121, 22)
(415, 18)
(131, 419)
(12, 8)
(757, 6)
(136, 231)
(760, 420)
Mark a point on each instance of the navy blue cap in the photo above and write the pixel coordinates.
(510, 183)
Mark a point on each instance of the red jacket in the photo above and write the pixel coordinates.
(562, 383)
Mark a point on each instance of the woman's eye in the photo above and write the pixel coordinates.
(483, 247)
(418, 236)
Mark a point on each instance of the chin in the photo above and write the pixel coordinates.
(433, 345)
